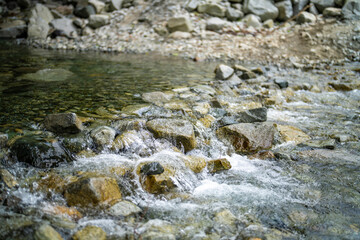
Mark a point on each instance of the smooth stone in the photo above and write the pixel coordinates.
(124, 209)
(92, 191)
(233, 14)
(46, 232)
(153, 168)
(182, 24)
(223, 72)
(252, 20)
(268, 23)
(84, 11)
(63, 123)
(322, 4)
(281, 83)
(156, 97)
(192, 5)
(98, 5)
(98, 20)
(180, 35)
(116, 4)
(90, 233)
(306, 17)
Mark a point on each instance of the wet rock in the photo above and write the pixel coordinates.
(136, 142)
(201, 108)
(332, 12)
(98, 20)
(285, 10)
(48, 75)
(160, 183)
(157, 229)
(181, 131)
(116, 4)
(265, 9)
(156, 97)
(215, 24)
(192, 5)
(243, 72)
(103, 136)
(223, 72)
(233, 15)
(92, 191)
(3, 139)
(195, 163)
(181, 24)
(341, 86)
(225, 218)
(65, 27)
(252, 20)
(7, 178)
(40, 17)
(328, 144)
(58, 210)
(207, 120)
(90, 232)
(129, 124)
(13, 29)
(322, 4)
(84, 11)
(218, 165)
(180, 35)
(63, 123)
(204, 89)
(281, 83)
(124, 209)
(215, 10)
(46, 232)
(252, 115)
(351, 9)
(263, 155)
(306, 17)
(153, 168)
(98, 5)
(248, 137)
(39, 152)
(292, 134)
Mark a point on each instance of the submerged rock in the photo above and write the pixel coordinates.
(38, 152)
(248, 137)
(218, 165)
(48, 75)
(181, 131)
(90, 232)
(92, 191)
(46, 232)
(63, 123)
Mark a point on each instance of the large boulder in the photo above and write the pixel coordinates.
(248, 137)
(351, 9)
(13, 29)
(39, 151)
(40, 17)
(63, 123)
(98, 20)
(322, 4)
(285, 10)
(180, 131)
(92, 191)
(265, 9)
(182, 24)
(64, 27)
(215, 10)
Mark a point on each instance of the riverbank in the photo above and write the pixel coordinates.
(142, 27)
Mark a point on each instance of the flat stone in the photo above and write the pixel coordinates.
(248, 137)
(182, 24)
(328, 144)
(90, 232)
(92, 191)
(156, 97)
(63, 123)
(181, 131)
(48, 75)
(332, 12)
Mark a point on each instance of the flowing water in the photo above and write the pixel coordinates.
(304, 193)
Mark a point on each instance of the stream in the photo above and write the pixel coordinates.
(307, 190)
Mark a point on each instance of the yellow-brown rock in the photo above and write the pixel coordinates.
(90, 233)
(207, 121)
(292, 134)
(92, 191)
(195, 163)
(218, 165)
(63, 210)
(7, 178)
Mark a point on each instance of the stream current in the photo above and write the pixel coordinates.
(304, 193)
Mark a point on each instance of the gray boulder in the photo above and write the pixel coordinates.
(180, 131)
(285, 10)
(13, 29)
(298, 5)
(84, 11)
(65, 27)
(233, 14)
(115, 5)
(181, 24)
(40, 17)
(63, 123)
(248, 137)
(98, 20)
(215, 10)
(192, 5)
(223, 72)
(322, 4)
(306, 17)
(351, 9)
(215, 24)
(265, 9)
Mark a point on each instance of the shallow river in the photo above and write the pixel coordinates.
(305, 192)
